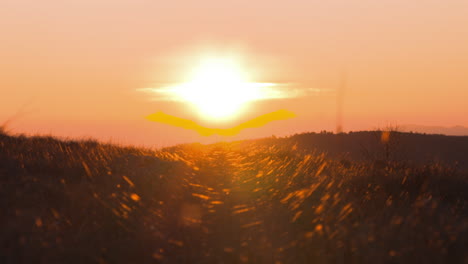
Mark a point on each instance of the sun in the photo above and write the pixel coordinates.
(219, 89)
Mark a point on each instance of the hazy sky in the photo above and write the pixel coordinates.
(72, 68)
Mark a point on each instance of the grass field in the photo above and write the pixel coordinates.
(258, 201)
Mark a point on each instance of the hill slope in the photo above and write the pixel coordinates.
(260, 201)
(410, 148)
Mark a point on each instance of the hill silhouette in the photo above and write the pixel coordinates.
(383, 197)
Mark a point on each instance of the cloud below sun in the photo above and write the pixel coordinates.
(223, 104)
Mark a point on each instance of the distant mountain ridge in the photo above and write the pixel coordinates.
(450, 131)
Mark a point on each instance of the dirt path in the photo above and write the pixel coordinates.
(236, 218)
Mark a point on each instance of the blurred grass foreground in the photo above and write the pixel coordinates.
(367, 197)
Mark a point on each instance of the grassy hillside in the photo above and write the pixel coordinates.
(259, 201)
(408, 148)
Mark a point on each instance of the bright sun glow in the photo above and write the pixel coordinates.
(219, 89)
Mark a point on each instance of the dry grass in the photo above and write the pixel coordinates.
(242, 202)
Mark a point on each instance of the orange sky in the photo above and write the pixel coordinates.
(74, 67)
